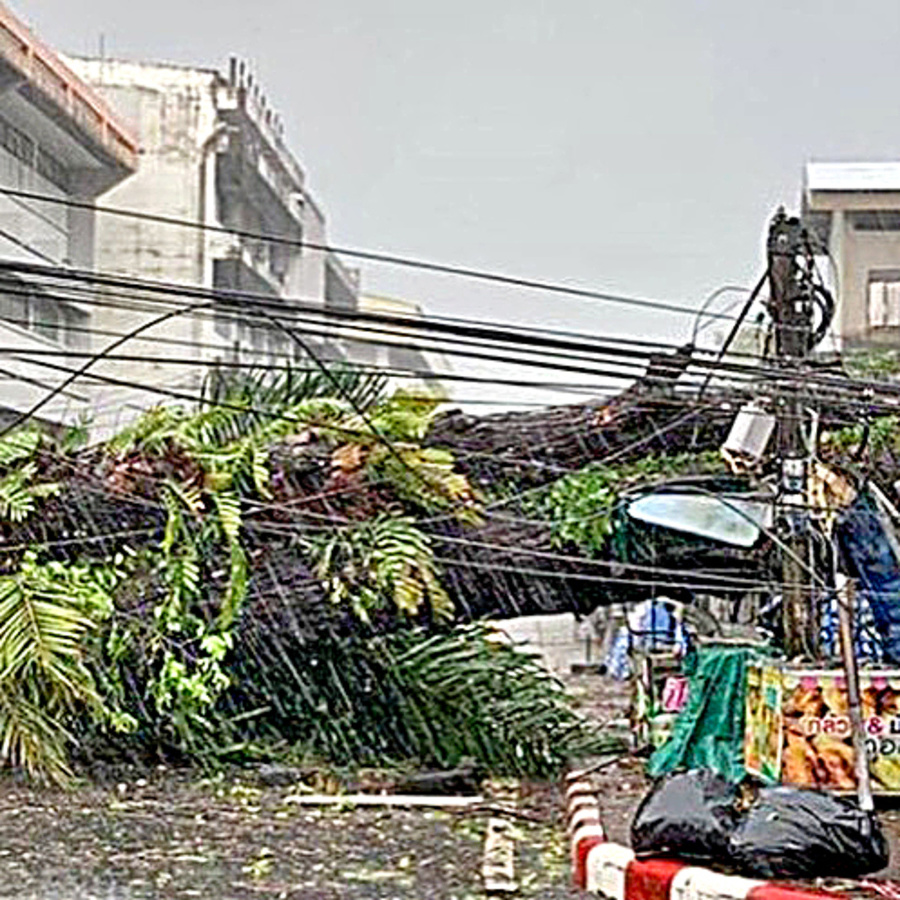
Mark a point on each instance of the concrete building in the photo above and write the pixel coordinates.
(214, 154)
(415, 363)
(58, 139)
(854, 209)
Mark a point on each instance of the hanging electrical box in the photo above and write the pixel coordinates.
(750, 434)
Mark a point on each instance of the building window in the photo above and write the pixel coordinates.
(14, 309)
(46, 314)
(884, 300)
(24, 149)
(876, 220)
(17, 142)
(76, 334)
(54, 320)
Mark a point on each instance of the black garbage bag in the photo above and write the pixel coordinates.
(794, 833)
(690, 815)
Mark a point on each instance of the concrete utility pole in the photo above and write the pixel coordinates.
(790, 305)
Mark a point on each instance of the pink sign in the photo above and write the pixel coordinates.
(675, 693)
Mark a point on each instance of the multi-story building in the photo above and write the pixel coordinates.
(213, 154)
(413, 361)
(58, 140)
(854, 210)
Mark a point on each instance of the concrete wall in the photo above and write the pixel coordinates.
(209, 141)
(864, 252)
(173, 111)
(559, 640)
(856, 253)
(57, 139)
(23, 383)
(308, 276)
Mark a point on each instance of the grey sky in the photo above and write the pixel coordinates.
(637, 147)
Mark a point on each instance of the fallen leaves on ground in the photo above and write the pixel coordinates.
(170, 835)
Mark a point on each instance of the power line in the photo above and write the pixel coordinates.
(257, 368)
(580, 576)
(162, 391)
(446, 349)
(468, 333)
(293, 306)
(406, 323)
(624, 358)
(872, 403)
(200, 306)
(371, 256)
(249, 305)
(394, 340)
(632, 360)
(714, 580)
(842, 395)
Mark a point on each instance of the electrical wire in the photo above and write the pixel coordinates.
(253, 305)
(368, 255)
(97, 297)
(471, 334)
(406, 323)
(624, 359)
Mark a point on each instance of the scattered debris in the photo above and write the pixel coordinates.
(405, 801)
(498, 867)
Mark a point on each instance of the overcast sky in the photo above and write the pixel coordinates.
(635, 147)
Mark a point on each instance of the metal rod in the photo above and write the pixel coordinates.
(851, 671)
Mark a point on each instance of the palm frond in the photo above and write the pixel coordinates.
(43, 678)
(32, 737)
(387, 560)
(486, 699)
(150, 431)
(259, 395)
(228, 506)
(426, 477)
(19, 445)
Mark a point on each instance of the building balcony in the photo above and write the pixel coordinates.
(237, 271)
(76, 121)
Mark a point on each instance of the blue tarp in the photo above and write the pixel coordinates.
(870, 554)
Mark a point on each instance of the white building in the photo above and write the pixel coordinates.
(854, 210)
(212, 153)
(414, 361)
(58, 139)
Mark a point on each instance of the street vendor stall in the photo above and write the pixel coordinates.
(798, 731)
(799, 727)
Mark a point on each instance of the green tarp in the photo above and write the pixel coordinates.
(709, 731)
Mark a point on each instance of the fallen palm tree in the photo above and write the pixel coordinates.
(260, 573)
(213, 582)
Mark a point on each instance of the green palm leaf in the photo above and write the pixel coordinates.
(19, 445)
(42, 673)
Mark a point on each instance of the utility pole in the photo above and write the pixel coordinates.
(790, 305)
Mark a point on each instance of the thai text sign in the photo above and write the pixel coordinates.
(812, 734)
